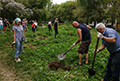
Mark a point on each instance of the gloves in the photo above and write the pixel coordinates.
(99, 35)
(96, 51)
(26, 40)
(73, 44)
(13, 42)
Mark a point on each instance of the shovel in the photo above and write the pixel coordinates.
(63, 55)
(91, 71)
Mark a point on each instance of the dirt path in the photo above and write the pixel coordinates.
(6, 74)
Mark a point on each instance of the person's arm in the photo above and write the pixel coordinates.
(51, 24)
(89, 27)
(14, 35)
(79, 35)
(23, 34)
(101, 47)
(110, 40)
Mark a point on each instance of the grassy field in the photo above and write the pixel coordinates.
(37, 53)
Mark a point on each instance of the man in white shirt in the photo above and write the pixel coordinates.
(49, 26)
(36, 24)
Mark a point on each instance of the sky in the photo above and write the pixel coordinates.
(59, 1)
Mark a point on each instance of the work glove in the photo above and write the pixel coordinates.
(74, 44)
(13, 42)
(99, 35)
(25, 40)
(96, 51)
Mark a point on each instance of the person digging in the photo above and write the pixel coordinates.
(111, 40)
(84, 36)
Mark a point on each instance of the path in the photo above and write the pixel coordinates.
(6, 74)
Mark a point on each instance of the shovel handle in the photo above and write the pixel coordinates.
(95, 53)
(68, 50)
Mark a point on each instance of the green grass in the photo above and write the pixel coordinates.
(37, 53)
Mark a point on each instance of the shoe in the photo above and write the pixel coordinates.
(16, 60)
(78, 65)
(86, 63)
(19, 59)
(53, 36)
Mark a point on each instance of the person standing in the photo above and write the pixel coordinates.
(1, 25)
(56, 27)
(36, 24)
(5, 25)
(33, 26)
(49, 26)
(111, 40)
(84, 36)
(8, 25)
(18, 36)
(24, 25)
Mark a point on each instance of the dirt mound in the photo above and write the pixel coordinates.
(56, 64)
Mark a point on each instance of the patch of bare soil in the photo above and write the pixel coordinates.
(6, 74)
(55, 65)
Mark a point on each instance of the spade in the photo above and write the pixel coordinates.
(63, 55)
(91, 71)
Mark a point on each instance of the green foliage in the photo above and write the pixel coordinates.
(37, 53)
(64, 12)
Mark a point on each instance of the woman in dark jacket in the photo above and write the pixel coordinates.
(56, 27)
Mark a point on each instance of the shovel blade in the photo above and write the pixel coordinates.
(61, 56)
(91, 71)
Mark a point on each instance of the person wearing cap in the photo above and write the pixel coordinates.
(1, 25)
(111, 40)
(18, 36)
(84, 36)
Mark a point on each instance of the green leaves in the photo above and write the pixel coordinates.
(38, 53)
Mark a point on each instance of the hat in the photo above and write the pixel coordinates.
(17, 20)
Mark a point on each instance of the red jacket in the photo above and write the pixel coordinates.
(33, 25)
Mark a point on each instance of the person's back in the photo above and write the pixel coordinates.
(112, 47)
(56, 24)
(85, 32)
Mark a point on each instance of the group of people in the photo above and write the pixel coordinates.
(34, 25)
(19, 36)
(4, 24)
(110, 39)
(55, 27)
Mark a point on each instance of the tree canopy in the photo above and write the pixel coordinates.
(83, 11)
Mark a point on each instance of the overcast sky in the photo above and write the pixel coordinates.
(59, 1)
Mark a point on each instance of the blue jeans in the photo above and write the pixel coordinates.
(18, 48)
(113, 67)
(56, 31)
